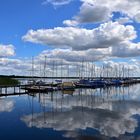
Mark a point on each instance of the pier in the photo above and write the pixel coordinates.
(101, 82)
(15, 90)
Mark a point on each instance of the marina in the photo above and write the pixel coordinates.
(40, 87)
(69, 70)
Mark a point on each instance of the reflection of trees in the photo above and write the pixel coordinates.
(108, 110)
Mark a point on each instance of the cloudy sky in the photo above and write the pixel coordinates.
(68, 31)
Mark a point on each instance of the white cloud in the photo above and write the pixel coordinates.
(15, 66)
(126, 49)
(14, 63)
(70, 22)
(57, 2)
(137, 17)
(118, 68)
(75, 56)
(105, 36)
(109, 40)
(69, 58)
(90, 14)
(124, 20)
(92, 11)
(7, 50)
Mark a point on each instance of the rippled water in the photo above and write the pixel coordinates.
(85, 114)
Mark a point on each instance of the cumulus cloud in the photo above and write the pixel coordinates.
(110, 39)
(15, 66)
(75, 61)
(92, 11)
(89, 14)
(124, 20)
(105, 36)
(75, 56)
(73, 44)
(6, 50)
(70, 22)
(137, 17)
(130, 49)
(18, 64)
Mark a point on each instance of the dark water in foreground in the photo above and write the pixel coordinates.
(85, 114)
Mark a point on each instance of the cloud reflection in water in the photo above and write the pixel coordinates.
(112, 118)
(6, 105)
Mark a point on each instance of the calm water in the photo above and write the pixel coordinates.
(85, 114)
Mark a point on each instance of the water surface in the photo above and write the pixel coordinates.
(85, 114)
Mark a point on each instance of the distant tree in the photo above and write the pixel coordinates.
(8, 81)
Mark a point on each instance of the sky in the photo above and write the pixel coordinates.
(68, 32)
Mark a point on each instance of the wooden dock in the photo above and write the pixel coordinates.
(16, 90)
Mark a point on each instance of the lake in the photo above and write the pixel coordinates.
(84, 114)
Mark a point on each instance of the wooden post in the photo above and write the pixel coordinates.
(19, 89)
(5, 90)
(14, 89)
(0, 90)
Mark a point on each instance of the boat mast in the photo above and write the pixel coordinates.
(92, 70)
(45, 66)
(61, 68)
(53, 70)
(32, 68)
(82, 69)
(68, 72)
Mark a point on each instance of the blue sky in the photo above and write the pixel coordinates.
(18, 16)
(104, 31)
